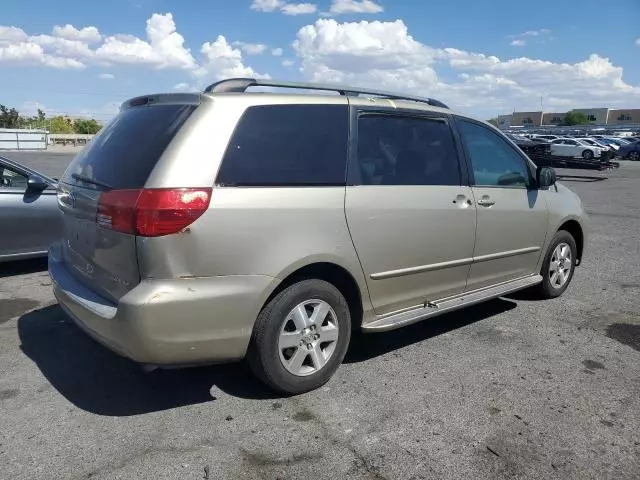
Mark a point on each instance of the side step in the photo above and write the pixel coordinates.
(432, 309)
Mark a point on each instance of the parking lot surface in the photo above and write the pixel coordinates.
(513, 388)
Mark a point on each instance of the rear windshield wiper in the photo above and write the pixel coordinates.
(82, 178)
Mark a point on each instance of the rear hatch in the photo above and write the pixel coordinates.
(102, 189)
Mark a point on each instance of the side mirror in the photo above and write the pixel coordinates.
(36, 183)
(546, 177)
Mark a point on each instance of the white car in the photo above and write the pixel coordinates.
(594, 142)
(547, 137)
(572, 147)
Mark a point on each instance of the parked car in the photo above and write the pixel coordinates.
(594, 142)
(548, 138)
(606, 141)
(571, 147)
(630, 151)
(539, 151)
(302, 217)
(29, 212)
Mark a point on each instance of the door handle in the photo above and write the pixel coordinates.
(486, 202)
(462, 201)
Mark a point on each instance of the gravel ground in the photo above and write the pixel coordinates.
(513, 388)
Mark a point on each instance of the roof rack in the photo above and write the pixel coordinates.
(240, 85)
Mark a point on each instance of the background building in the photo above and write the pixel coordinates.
(553, 118)
(624, 117)
(526, 119)
(504, 121)
(596, 116)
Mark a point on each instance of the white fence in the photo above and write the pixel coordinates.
(21, 139)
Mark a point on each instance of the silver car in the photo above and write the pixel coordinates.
(29, 215)
(214, 226)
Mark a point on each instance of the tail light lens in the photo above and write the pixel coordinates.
(152, 212)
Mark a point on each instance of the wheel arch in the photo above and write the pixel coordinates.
(331, 272)
(575, 229)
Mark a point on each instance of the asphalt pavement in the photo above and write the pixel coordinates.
(513, 388)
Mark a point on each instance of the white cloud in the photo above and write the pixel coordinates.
(221, 60)
(287, 63)
(354, 6)
(299, 8)
(164, 48)
(384, 55)
(181, 87)
(638, 42)
(61, 47)
(251, 48)
(266, 5)
(106, 76)
(534, 33)
(284, 7)
(277, 52)
(69, 32)
(12, 35)
(541, 36)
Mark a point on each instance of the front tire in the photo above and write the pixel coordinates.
(559, 265)
(300, 337)
(587, 155)
(635, 156)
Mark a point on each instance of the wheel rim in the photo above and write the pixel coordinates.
(308, 337)
(560, 266)
(587, 155)
(634, 156)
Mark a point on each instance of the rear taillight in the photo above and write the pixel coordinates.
(152, 212)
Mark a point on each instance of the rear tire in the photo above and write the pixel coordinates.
(558, 266)
(300, 337)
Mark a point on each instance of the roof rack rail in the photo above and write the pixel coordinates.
(240, 85)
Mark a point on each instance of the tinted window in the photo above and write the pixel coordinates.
(494, 161)
(288, 145)
(397, 150)
(125, 151)
(9, 178)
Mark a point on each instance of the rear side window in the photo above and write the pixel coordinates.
(124, 153)
(288, 145)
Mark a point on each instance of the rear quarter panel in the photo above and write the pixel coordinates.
(258, 231)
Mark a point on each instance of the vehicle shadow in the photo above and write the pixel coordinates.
(366, 346)
(22, 267)
(98, 381)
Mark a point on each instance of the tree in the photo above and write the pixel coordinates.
(90, 127)
(575, 118)
(60, 125)
(9, 118)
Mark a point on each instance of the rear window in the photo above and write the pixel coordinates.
(126, 150)
(288, 145)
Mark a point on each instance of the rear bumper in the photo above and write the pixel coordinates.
(167, 322)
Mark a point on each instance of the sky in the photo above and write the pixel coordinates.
(482, 57)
